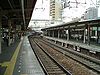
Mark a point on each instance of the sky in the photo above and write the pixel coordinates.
(77, 12)
(41, 10)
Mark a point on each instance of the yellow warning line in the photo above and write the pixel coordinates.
(24, 74)
(11, 64)
(5, 64)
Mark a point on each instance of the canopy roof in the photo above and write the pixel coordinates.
(17, 10)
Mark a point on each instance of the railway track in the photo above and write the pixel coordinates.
(83, 59)
(48, 63)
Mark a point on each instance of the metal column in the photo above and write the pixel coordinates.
(9, 32)
(49, 33)
(0, 29)
(67, 32)
(88, 35)
(58, 33)
(97, 35)
(53, 35)
(84, 40)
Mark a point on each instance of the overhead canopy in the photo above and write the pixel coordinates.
(19, 11)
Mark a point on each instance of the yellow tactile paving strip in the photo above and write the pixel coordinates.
(10, 65)
(5, 64)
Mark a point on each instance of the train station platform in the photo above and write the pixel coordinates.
(92, 48)
(19, 59)
(6, 55)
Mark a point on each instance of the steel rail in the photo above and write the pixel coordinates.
(73, 55)
(58, 64)
(41, 64)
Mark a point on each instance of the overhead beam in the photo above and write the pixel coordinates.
(16, 11)
(27, 18)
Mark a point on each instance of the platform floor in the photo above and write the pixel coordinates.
(6, 55)
(89, 47)
(23, 61)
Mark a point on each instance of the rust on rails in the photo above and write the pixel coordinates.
(49, 65)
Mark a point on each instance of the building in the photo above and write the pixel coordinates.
(55, 10)
(91, 13)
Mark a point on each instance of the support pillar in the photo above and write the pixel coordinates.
(9, 32)
(0, 29)
(97, 36)
(67, 32)
(55, 41)
(88, 35)
(49, 33)
(84, 39)
(62, 44)
(66, 45)
(78, 48)
(63, 34)
(74, 47)
(58, 34)
(53, 33)
(45, 33)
